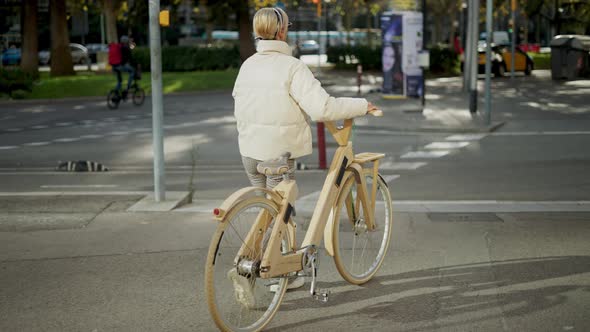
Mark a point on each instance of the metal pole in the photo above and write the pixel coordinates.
(474, 56)
(321, 145)
(513, 46)
(488, 95)
(157, 104)
(467, 53)
(424, 41)
(319, 15)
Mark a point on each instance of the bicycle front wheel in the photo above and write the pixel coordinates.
(138, 96)
(239, 301)
(359, 252)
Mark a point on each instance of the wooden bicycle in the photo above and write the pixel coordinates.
(254, 246)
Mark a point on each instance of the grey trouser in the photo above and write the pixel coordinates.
(261, 180)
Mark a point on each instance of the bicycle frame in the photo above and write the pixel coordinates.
(344, 164)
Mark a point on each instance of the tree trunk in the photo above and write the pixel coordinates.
(110, 14)
(369, 19)
(348, 20)
(30, 57)
(245, 27)
(61, 58)
(438, 28)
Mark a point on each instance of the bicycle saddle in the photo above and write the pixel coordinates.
(277, 166)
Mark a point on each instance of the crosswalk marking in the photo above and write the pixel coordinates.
(37, 143)
(446, 145)
(425, 154)
(466, 137)
(389, 165)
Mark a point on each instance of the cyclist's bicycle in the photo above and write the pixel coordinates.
(254, 246)
(115, 96)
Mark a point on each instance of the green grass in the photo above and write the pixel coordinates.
(541, 60)
(88, 84)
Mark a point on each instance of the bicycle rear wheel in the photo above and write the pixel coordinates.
(240, 301)
(359, 252)
(113, 99)
(138, 96)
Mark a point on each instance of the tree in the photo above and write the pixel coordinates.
(110, 9)
(61, 58)
(220, 9)
(245, 30)
(30, 57)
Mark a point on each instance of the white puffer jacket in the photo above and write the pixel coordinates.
(275, 95)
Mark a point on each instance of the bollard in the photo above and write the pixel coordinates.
(359, 78)
(321, 145)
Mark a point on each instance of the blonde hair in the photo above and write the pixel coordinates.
(267, 23)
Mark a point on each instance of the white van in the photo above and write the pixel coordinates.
(498, 37)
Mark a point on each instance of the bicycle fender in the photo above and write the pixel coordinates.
(233, 199)
(329, 229)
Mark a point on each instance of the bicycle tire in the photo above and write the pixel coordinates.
(223, 295)
(347, 234)
(113, 99)
(138, 96)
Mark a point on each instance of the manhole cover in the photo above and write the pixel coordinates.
(464, 217)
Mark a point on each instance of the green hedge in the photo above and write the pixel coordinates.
(541, 60)
(14, 81)
(190, 58)
(442, 60)
(349, 56)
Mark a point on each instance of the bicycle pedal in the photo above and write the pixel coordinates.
(322, 295)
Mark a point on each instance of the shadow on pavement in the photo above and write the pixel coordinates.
(508, 286)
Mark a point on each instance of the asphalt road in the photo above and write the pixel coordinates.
(491, 230)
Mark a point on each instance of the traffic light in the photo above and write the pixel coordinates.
(164, 18)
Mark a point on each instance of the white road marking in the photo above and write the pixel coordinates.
(425, 154)
(8, 147)
(72, 193)
(131, 116)
(13, 129)
(118, 133)
(541, 133)
(491, 206)
(79, 186)
(91, 136)
(466, 137)
(394, 166)
(64, 124)
(389, 178)
(66, 140)
(39, 127)
(37, 143)
(306, 205)
(446, 145)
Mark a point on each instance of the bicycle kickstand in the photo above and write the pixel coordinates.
(311, 263)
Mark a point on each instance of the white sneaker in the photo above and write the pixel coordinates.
(293, 283)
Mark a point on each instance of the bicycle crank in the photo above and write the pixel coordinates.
(310, 268)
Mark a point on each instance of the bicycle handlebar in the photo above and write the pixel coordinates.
(342, 133)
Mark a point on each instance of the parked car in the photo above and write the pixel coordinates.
(93, 49)
(309, 47)
(79, 55)
(11, 56)
(502, 59)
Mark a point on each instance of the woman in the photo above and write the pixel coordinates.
(276, 96)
